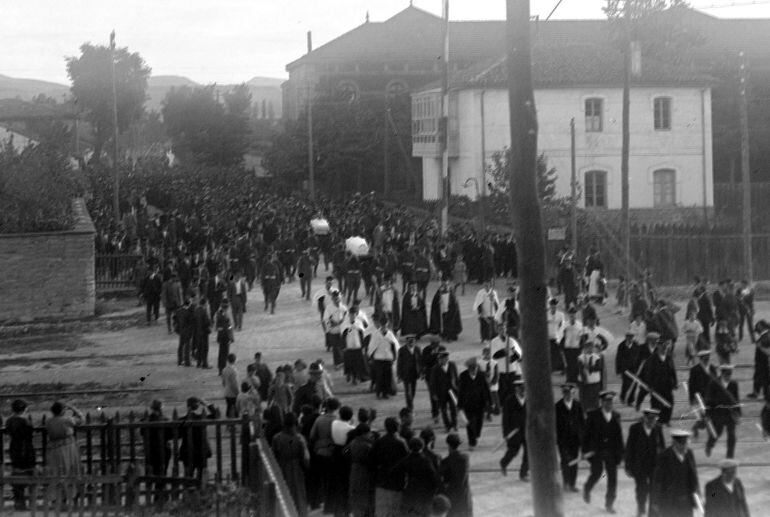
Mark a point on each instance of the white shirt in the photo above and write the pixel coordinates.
(383, 347)
(729, 486)
(607, 415)
(572, 333)
(387, 300)
(340, 430)
(568, 403)
(487, 301)
(497, 344)
(353, 337)
(335, 316)
(555, 325)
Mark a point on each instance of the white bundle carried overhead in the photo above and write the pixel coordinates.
(320, 226)
(357, 246)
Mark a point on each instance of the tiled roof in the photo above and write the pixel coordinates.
(575, 65)
(417, 34)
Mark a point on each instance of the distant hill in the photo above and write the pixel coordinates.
(26, 89)
(266, 88)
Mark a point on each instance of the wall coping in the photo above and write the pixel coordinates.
(83, 224)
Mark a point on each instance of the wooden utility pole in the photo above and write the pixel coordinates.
(573, 188)
(310, 154)
(385, 150)
(445, 126)
(624, 152)
(115, 170)
(745, 169)
(528, 226)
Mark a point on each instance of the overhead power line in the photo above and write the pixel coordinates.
(733, 4)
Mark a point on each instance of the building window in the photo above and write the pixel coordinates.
(425, 115)
(395, 88)
(664, 187)
(596, 189)
(662, 108)
(594, 108)
(348, 91)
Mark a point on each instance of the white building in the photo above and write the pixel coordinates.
(670, 124)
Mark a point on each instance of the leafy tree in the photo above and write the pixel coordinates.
(91, 76)
(500, 170)
(349, 145)
(37, 185)
(205, 131)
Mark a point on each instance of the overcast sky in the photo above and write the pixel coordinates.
(229, 41)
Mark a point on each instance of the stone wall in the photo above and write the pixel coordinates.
(49, 275)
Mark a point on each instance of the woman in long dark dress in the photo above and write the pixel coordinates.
(292, 455)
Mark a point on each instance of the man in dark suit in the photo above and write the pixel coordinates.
(185, 317)
(701, 376)
(603, 445)
(152, 287)
(659, 374)
(409, 368)
(387, 451)
(429, 359)
(705, 309)
(514, 430)
(443, 381)
(569, 433)
(645, 443)
(626, 359)
(474, 399)
(724, 410)
(201, 337)
(725, 495)
(675, 480)
(215, 292)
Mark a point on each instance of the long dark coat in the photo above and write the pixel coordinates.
(569, 424)
(421, 483)
(721, 503)
(413, 321)
(673, 484)
(293, 457)
(454, 473)
(361, 486)
(447, 325)
(643, 450)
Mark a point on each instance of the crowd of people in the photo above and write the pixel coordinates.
(201, 267)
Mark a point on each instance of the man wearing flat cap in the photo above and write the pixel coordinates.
(645, 443)
(603, 446)
(514, 430)
(569, 433)
(675, 480)
(724, 409)
(409, 368)
(725, 495)
(473, 398)
(443, 381)
(429, 359)
(626, 359)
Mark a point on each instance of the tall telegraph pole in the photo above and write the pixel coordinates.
(530, 244)
(310, 164)
(745, 168)
(573, 188)
(445, 126)
(116, 179)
